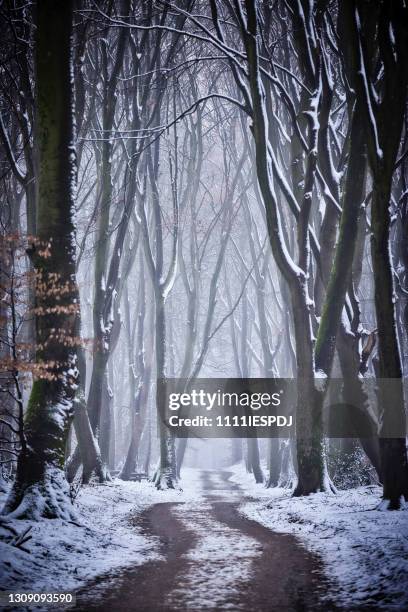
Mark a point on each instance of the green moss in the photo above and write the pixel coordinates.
(34, 403)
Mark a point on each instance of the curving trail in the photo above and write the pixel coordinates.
(213, 559)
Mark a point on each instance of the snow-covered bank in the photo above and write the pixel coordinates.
(62, 556)
(364, 550)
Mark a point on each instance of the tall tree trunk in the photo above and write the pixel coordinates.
(146, 462)
(105, 277)
(40, 487)
(87, 449)
(106, 420)
(382, 129)
(166, 473)
(139, 417)
(180, 454)
(311, 456)
(252, 443)
(254, 460)
(112, 442)
(140, 358)
(274, 463)
(393, 450)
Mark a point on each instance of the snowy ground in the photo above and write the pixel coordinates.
(364, 549)
(220, 563)
(63, 556)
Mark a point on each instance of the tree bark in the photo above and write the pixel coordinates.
(383, 134)
(40, 487)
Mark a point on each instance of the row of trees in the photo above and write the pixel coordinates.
(188, 189)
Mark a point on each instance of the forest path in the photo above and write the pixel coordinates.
(213, 559)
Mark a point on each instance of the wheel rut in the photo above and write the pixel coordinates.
(213, 558)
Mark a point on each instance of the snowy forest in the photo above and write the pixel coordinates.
(202, 189)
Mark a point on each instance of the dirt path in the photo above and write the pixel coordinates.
(213, 559)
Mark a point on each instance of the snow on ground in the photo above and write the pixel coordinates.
(62, 556)
(221, 560)
(365, 550)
